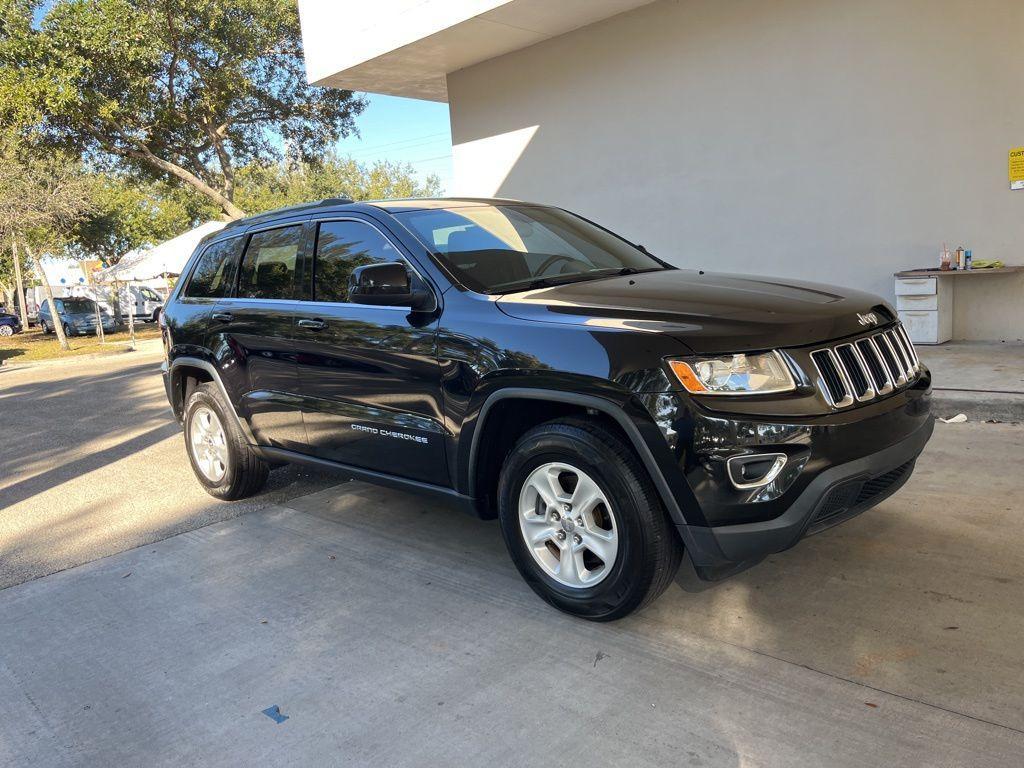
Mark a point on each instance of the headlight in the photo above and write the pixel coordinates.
(734, 374)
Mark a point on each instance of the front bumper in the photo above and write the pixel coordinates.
(843, 464)
(835, 495)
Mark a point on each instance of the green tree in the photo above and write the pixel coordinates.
(129, 214)
(262, 186)
(42, 197)
(9, 251)
(190, 89)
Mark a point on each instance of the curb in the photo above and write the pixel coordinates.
(978, 406)
(142, 347)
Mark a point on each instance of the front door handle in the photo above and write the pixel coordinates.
(224, 317)
(314, 324)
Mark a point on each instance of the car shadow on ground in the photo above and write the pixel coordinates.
(95, 463)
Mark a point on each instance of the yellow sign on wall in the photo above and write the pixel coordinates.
(1017, 168)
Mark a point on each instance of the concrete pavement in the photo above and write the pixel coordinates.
(394, 631)
(981, 379)
(92, 463)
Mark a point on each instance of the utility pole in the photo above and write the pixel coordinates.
(22, 309)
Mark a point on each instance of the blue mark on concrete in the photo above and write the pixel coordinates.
(274, 713)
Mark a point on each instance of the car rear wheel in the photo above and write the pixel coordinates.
(222, 460)
(6, 330)
(583, 522)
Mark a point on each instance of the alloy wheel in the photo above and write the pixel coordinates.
(568, 525)
(209, 445)
(6, 330)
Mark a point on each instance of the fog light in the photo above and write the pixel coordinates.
(755, 470)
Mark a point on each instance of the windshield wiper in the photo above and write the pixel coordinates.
(595, 274)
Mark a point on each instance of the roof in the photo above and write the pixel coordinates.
(345, 203)
(277, 213)
(433, 203)
(408, 47)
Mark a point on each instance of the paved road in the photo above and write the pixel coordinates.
(394, 631)
(92, 463)
(391, 630)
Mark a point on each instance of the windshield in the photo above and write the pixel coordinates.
(505, 248)
(79, 306)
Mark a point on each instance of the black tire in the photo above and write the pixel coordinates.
(245, 473)
(649, 549)
(45, 328)
(67, 331)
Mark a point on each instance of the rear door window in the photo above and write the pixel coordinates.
(268, 268)
(215, 272)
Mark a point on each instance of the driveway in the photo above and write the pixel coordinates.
(363, 626)
(93, 463)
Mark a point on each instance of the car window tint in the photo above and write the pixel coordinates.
(341, 246)
(215, 271)
(268, 268)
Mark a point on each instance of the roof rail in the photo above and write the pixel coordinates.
(287, 209)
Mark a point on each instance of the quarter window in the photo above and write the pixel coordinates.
(341, 246)
(268, 268)
(215, 271)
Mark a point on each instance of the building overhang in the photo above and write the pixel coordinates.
(408, 47)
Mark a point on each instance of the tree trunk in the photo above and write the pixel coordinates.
(231, 210)
(58, 326)
(19, 285)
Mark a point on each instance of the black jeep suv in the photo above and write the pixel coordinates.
(614, 412)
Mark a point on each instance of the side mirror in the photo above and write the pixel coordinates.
(386, 284)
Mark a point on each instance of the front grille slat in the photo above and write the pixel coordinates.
(835, 387)
(869, 367)
(856, 372)
(891, 361)
(901, 353)
(879, 373)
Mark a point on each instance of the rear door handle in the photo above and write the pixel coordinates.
(224, 317)
(314, 324)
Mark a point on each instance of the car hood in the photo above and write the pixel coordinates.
(709, 312)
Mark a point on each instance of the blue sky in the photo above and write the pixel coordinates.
(406, 131)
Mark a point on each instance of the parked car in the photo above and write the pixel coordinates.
(76, 314)
(611, 410)
(148, 303)
(9, 324)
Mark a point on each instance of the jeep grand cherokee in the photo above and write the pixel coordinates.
(615, 413)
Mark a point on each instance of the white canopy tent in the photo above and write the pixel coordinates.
(167, 258)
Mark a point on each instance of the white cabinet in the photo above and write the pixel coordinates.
(925, 306)
(916, 286)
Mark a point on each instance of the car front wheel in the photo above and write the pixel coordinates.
(222, 460)
(6, 330)
(583, 522)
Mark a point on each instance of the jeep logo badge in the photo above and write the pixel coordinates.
(867, 319)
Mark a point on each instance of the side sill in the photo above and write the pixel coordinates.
(467, 504)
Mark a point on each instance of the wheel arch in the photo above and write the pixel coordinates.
(615, 414)
(186, 373)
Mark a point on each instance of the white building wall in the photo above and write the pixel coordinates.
(822, 139)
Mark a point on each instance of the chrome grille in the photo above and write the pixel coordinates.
(869, 367)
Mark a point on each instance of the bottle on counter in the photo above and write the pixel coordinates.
(959, 258)
(944, 258)
(968, 258)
